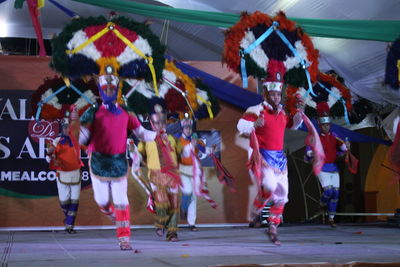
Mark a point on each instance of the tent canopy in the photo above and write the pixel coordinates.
(360, 62)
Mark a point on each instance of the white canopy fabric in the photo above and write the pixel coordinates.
(360, 63)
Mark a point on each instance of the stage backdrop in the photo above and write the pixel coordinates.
(28, 188)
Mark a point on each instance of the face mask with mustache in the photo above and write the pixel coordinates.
(108, 89)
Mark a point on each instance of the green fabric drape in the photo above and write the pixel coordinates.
(376, 30)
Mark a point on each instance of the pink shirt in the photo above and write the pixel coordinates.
(109, 131)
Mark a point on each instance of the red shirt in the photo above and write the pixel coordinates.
(271, 135)
(67, 158)
(330, 143)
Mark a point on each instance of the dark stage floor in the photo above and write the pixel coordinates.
(209, 246)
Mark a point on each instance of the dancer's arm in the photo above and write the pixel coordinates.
(142, 133)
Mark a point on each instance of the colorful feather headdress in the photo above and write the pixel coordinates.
(327, 89)
(49, 101)
(86, 46)
(258, 39)
(179, 93)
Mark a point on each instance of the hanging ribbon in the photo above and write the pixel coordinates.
(224, 177)
(199, 180)
(351, 162)
(208, 105)
(34, 13)
(250, 48)
(346, 115)
(314, 142)
(255, 161)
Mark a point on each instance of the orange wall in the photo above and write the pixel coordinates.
(382, 180)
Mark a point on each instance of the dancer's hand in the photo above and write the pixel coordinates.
(300, 104)
(347, 143)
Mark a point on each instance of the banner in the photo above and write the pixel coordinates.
(24, 172)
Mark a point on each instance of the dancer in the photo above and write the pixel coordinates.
(111, 51)
(191, 172)
(265, 123)
(105, 130)
(329, 175)
(63, 154)
(161, 160)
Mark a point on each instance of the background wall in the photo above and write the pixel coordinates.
(27, 73)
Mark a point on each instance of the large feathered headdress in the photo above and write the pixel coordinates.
(328, 89)
(50, 100)
(180, 94)
(258, 39)
(87, 46)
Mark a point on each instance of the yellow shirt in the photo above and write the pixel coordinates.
(150, 151)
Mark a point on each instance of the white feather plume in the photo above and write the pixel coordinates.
(257, 54)
(53, 101)
(89, 50)
(128, 54)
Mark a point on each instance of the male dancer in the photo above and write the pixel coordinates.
(191, 171)
(161, 160)
(105, 130)
(63, 156)
(329, 175)
(266, 123)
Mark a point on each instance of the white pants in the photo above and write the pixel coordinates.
(187, 189)
(103, 189)
(329, 179)
(67, 192)
(276, 184)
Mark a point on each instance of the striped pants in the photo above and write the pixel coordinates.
(117, 210)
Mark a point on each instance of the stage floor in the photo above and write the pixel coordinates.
(208, 246)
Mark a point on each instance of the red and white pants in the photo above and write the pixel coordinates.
(274, 188)
(118, 209)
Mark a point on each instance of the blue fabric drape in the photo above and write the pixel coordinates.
(243, 99)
